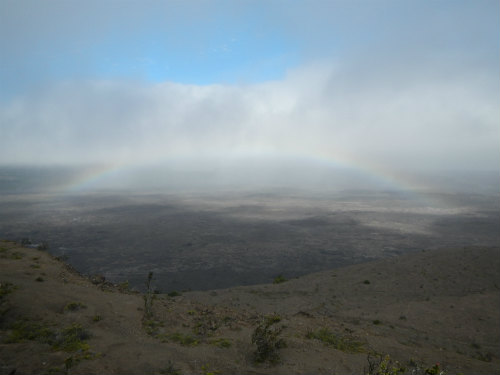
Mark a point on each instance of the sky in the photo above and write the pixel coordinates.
(374, 84)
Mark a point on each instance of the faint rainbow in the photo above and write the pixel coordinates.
(392, 179)
(90, 177)
(389, 177)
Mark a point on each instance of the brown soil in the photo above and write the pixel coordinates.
(439, 306)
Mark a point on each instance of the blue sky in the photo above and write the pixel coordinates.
(380, 80)
(204, 42)
(199, 43)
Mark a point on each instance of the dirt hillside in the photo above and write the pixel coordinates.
(439, 306)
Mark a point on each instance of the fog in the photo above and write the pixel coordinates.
(387, 90)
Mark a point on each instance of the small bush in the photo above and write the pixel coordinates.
(207, 371)
(266, 338)
(16, 255)
(152, 327)
(96, 318)
(183, 339)
(6, 288)
(174, 293)
(74, 306)
(378, 365)
(221, 343)
(434, 370)
(124, 286)
(279, 279)
(366, 282)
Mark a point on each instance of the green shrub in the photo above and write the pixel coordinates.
(152, 326)
(279, 279)
(74, 306)
(221, 343)
(207, 371)
(434, 370)
(266, 338)
(16, 255)
(378, 365)
(96, 318)
(124, 286)
(183, 339)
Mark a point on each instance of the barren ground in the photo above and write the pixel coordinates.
(429, 306)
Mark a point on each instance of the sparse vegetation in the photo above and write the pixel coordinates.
(207, 371)
(43, 246)
(378, 365)
(148, 298)
(170, 369)
(70, 339)
(174, 293)
(201, 329)
(151, 326)
(485, 357)
(96, 318)
(279, 279)
(221, 343)
(16, 255)
(74, 306)
(435, 370)
(180, 338)
(266, 338)
(385, 365)
(342, 343)
(25, 241)
(124, 286)
(6, 288)
(206, 324)
(22, 330)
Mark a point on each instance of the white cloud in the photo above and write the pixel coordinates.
(315, 110)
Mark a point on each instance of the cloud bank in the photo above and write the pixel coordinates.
(384, 85)
(317, 110)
